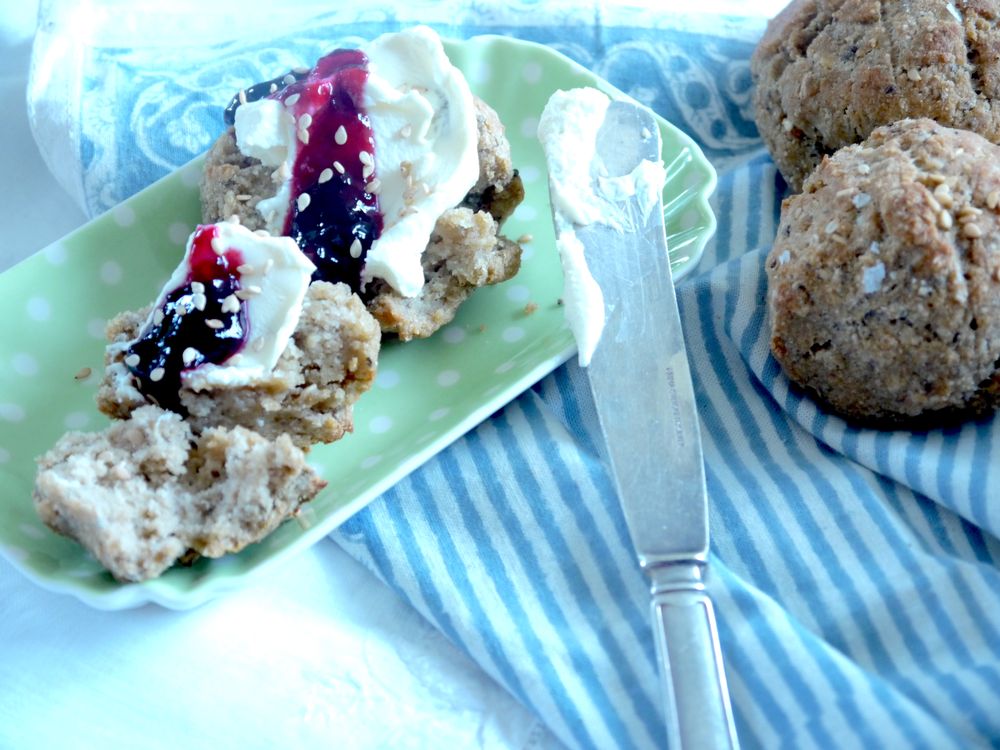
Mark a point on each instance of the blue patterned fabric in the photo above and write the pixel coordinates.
(854, 572)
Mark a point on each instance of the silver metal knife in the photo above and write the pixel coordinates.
(642, 388)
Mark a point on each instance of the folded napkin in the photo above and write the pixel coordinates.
(854, 572)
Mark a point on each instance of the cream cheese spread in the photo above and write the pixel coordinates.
(582, 193)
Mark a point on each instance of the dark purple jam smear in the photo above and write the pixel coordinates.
(340, 219)
(259, 91)
(190, 322)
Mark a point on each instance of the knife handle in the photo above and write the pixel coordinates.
(695, 693)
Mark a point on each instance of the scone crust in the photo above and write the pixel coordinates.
(828, 72)
(884, 278)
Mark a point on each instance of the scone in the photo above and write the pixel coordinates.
(828, 72)
(318, 358)
(384, 168)
(147, 490)
(884, 278)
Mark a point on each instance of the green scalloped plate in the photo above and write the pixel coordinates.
(427, 393)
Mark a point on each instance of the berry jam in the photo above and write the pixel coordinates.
(334, 211)
(202, 321)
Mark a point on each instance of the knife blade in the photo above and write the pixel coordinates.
(642, 388)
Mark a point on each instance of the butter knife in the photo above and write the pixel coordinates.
(644, 395)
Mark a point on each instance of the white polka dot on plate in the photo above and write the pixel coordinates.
(123, 215)
(220, 564)
(17, 554)
(526, 212)
(4, 455)
(481, 72)
(76, 420)
(95, 327)
(529, 127)
(31, 530)
(689, 220)
(82, 572)
(178, 232)
(505, 367)
(191, 175)
(39, 308)
(512, 334)
(387, 379)
(448, 378)
(12, 412)
(532, 72)
(380, 424)
(24, 364)
(437, 414)
(55, 253)
(453, 334)
(369, 461)
(518, 293)
(111, 272)
(529, 173)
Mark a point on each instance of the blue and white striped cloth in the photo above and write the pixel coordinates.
(855, 573)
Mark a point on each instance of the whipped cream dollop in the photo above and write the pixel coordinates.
(224, 316)
(582, 193)
(423, 158)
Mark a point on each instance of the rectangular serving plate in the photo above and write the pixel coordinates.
(427, 393)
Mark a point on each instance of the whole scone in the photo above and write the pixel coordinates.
(884, 278)
(828, 72)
